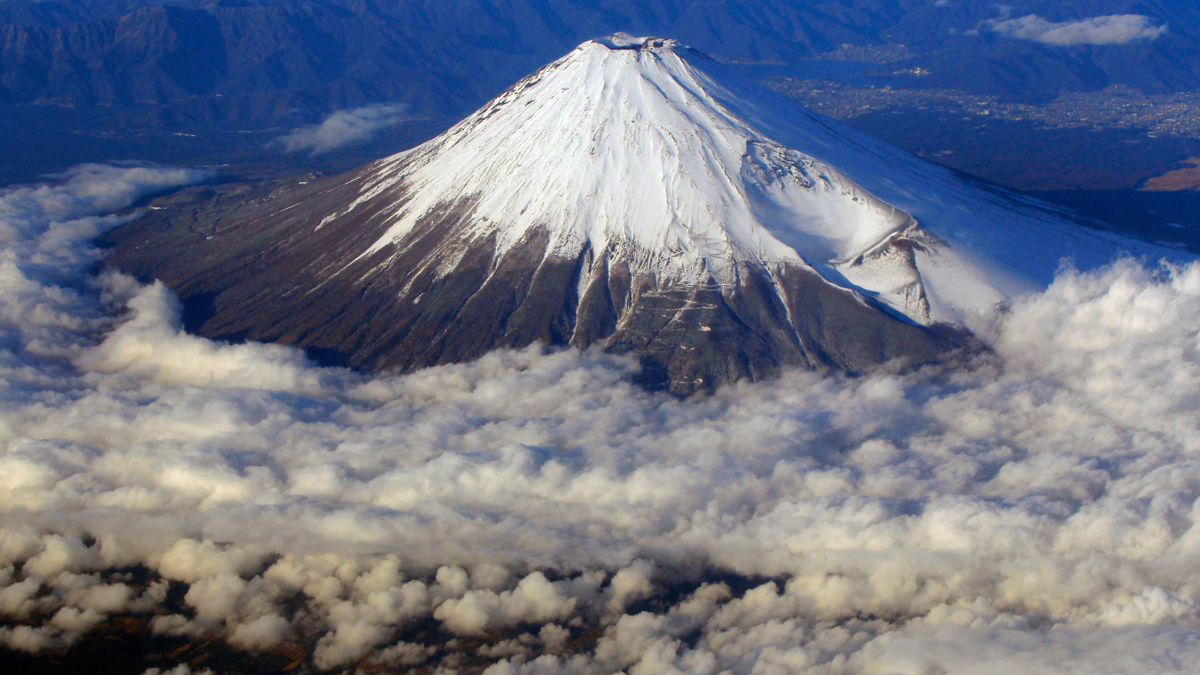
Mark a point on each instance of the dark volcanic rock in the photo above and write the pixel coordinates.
(252, 262)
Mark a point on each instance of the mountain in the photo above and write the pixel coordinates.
(634, 195)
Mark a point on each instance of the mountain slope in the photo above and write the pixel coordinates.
(633, 195)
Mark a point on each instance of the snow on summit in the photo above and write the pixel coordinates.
(644, 146)
(625, 143)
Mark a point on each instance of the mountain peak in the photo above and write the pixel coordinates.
(643, 155)
(633, 196)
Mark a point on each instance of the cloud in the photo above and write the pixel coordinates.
(153, 347)
(1114, 29)
(342, 128)
(534, 512)
(534, 600)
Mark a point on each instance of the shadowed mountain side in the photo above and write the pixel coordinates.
(251, 262)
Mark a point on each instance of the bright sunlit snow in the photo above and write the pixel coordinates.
(646, 147)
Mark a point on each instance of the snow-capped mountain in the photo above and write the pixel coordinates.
(634, 195)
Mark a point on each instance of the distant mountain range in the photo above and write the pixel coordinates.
(268, 59)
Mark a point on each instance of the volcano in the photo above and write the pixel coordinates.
(634, 196)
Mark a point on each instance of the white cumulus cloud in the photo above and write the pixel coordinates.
(1034, 510)
(1113, 29)
(342, 128)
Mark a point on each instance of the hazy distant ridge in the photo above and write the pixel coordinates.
(257, 59)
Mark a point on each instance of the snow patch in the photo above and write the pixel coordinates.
(620, 40)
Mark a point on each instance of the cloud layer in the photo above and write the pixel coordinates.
(342, 128)
(1037, 505)
(1114, 29)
